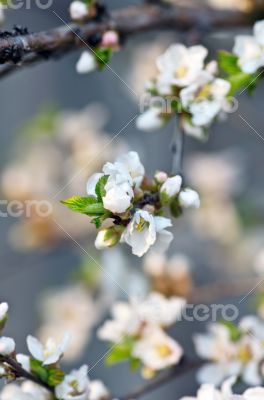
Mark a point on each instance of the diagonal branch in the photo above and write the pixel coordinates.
(25, 49)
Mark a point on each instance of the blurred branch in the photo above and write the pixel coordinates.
(22, 48)
(177, 149)
(20, 372)
(175, 372)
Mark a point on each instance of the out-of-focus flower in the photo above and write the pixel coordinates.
(189, 198)
(209, 392)
(98, 391)
(78, 10)
(70, 309)
(242, 5)
(7, 346)
(139, 326)
(27, 391)
(150, 120)
(157, 350)
(74, 386)
(233, 351)
(51, 352)
(74, 140)
(180, 66)
(204, 100)
(250, 49)
(110, 39)
(87, 63)
(169, 276)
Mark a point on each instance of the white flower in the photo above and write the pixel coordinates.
(119, 192)
(209, 392)
(51, 352)
(150, 120)
(74, 386)
(172, 186)
(159, 310)
(24, 360)
(161, 176)
(92, 182)
(250, 49)
(3, 311)
(27, 391)
(98, 391)
(7, 346)
(189, 198)
(157, 350)
(145, 230)
(134, 166)
(205, 100)
(78, 10)
(180, 66)
(86, 63)
(197, 132)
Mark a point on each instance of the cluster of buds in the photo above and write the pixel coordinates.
(131, 206)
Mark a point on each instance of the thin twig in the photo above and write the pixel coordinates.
(177, 148)
(127, 21)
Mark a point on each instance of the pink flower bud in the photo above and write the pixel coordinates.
(110, 39)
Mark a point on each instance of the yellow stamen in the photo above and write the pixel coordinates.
(181, 71)
(163, 350)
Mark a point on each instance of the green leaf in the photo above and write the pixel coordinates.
(234, 331)
(103, 55)
(175, 208)
(100, 188)
(84, 205)
(134, 363)
(39, 370)
(121, 352)
(228, 62)
(240, 81)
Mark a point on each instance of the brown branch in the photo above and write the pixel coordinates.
(20, 372)
(175, 372)
(29, 48)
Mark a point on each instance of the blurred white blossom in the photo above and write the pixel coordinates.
(51, 352)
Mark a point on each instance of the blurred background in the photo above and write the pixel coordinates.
(53, 122)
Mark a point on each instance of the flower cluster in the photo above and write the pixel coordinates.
(201, 93)
(233, 350)
(138, 335)
(102, 46)
(209, 392)
(45, 380)
(135, 204)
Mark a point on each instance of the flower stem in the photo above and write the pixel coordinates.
(177, 149)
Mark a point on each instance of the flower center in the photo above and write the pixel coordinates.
(181, 71)
(204, 93)
(141, 225)
(163, 350)
(244, 354)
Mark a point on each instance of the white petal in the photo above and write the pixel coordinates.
(35, 348)
(86, 63)
(91, 184)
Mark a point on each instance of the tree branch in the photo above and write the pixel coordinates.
(20, 372)
(25, 49)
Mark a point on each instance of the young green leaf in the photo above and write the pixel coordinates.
(228, 62)
(234, 331)
(85, 205)
(121, 352)
(100, 188)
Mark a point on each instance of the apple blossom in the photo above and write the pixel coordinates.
(74, 386)
(98, 391)
(204, 100)
(150, 120)
(51, 352)
(157, 350)
(250, 49)
(24, 361)
(7, 346)
(78, 10)
(180, 66)
(87, 63)
(209, 392)
(134, 166)
(27, 391)
(107, 237)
